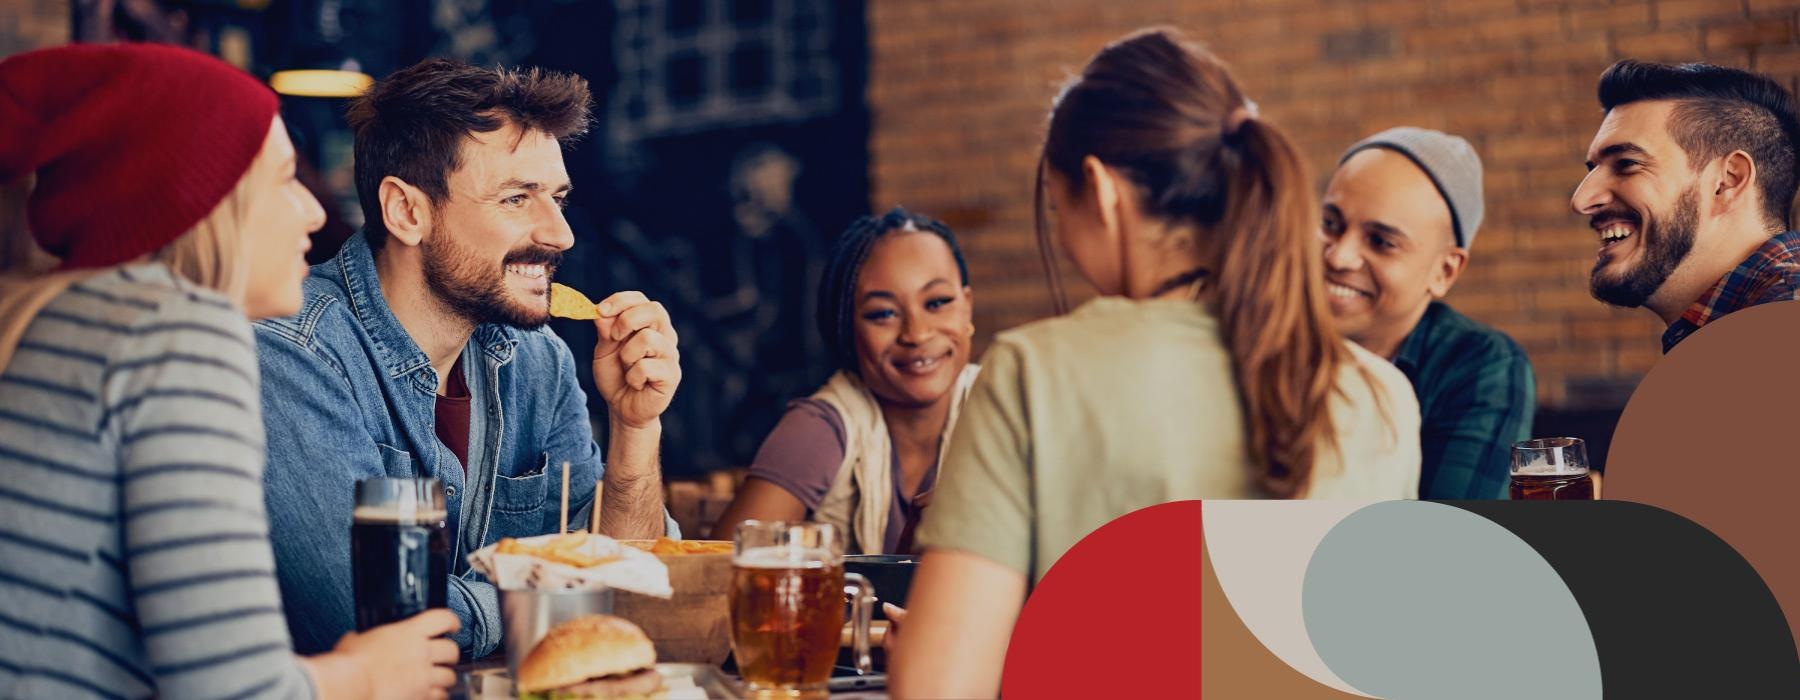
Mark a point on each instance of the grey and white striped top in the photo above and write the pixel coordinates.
(134, 551)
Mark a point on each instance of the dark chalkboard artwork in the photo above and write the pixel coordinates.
(731, 145)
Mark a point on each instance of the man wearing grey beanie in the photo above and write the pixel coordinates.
(1399, 217)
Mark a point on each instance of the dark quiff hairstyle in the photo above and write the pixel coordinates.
(837, 289)
(1168, 115)
(411, 125)
(1719, 110)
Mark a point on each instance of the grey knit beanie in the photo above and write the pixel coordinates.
(1451, 164)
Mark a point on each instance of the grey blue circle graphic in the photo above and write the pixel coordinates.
(1410, 600)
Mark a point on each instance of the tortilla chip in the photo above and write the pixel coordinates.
(565, 302)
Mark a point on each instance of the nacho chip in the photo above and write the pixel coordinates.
(565, 302)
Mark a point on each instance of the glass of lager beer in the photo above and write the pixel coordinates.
(399, 549)
(1551, 469)
(787, 607)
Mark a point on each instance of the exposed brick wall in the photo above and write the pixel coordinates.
(960, 89)
(33, 24)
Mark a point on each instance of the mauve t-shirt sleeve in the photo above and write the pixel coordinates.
(804, 451)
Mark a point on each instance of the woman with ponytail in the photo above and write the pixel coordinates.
(1208, 367)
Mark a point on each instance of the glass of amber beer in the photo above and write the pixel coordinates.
(1551, 469)
(787, 607)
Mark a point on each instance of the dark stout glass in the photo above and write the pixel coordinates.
(399, 550)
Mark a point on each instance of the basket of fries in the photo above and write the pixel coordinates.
(547, 580)
(694, 625)
(572, 561)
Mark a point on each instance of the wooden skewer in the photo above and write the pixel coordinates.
(565, 500)
(599, 494)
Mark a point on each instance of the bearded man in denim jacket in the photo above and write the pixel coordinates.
(420, 350)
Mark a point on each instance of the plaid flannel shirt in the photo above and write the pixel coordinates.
(1771, 273)
(1476, 394)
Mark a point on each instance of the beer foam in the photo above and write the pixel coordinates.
(1550, 470)
(379, 515)
(783, 558)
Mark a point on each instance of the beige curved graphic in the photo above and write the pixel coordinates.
(1260, 550)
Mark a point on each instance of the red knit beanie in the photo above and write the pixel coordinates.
(133, 144)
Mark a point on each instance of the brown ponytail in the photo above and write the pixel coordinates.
(1270, 302)
(1168, 114)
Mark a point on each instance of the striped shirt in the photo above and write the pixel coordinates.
(134, 551)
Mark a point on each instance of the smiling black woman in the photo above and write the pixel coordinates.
(862, 453)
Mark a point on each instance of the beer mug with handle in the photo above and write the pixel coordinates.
(1551, 469)
(787, 608)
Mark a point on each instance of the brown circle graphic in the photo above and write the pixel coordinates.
(1713, 434)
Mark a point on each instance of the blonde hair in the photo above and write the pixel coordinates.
(212, 254)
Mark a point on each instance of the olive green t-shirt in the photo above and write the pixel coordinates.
(1122, 405)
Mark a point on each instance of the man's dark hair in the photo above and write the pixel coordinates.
(411, 124)
(1719, 110)
(837, 289)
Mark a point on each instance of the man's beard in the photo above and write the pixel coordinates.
(475, 289)
(1662, 254)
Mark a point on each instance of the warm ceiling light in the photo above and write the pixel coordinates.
(320, 83)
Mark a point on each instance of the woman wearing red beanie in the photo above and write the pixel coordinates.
(132, 527)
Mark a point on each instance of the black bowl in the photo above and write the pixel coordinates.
(891, 574)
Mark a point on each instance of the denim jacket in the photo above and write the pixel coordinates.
(348, 395)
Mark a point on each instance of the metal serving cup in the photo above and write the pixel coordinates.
(528, 615)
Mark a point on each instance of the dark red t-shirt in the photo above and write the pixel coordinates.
(453, 415)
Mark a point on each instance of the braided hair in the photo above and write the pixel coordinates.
(837, 290)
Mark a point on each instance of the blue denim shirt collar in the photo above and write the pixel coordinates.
(398, 353)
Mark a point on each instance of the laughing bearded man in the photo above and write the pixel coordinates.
(420, 350)
(1690, 189)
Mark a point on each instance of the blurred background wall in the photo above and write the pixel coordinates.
(29, 24)
(735, 138)
(959, 92)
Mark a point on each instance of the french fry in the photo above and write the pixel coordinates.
(575, 559)
(664, 546)
(563, 549)
(567, 542)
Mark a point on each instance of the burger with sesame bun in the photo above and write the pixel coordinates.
(597, 657)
